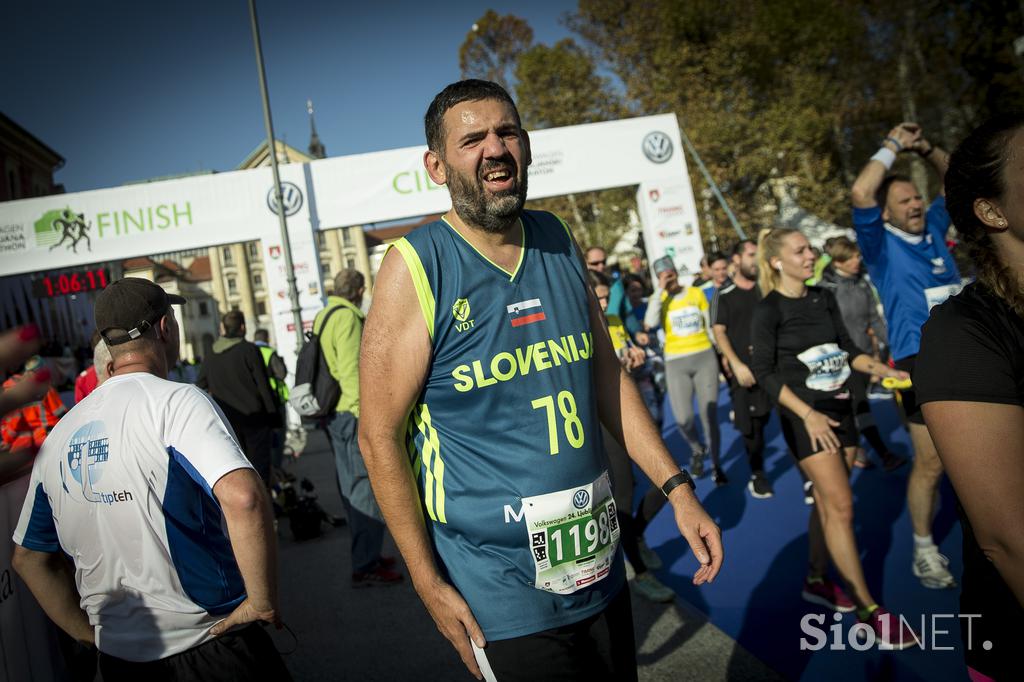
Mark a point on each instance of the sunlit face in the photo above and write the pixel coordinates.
(746, 261)
(850, 266)
(602, 292)
(596, 259)
(1011, 204)
(486, 154)
(795, 258)
(904, 208)
(719, 272)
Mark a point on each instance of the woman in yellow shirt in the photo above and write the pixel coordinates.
(690, 362)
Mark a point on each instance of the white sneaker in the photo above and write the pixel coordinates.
(650, 557)
(652, 589)
(808, 492)
(930, 569)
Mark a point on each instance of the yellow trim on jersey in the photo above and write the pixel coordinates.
(432, 464)
(419, 281)
(522, 251)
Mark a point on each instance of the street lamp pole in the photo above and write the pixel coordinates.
(286, 246)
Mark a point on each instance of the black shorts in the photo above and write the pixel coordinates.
(600, 647)
(244, 654)
(799, 441)
(908, 398)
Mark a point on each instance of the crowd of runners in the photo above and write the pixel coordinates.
(491, 405)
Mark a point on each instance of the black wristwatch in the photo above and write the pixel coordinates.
(682, 478)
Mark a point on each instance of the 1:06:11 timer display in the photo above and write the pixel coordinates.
(68, 283)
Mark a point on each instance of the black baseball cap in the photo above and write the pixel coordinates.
(130, 306)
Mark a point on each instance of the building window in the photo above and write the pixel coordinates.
(261, 308)
(232, 286)
(204, 309)
(350, 263)
(257, 280)
(325, 267)
(234, 307)
(254, 251)
(225, 255)
(346, 236)
(321, 241)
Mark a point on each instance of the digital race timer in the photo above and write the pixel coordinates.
(68, 282)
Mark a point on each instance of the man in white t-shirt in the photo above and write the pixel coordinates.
(167, 525)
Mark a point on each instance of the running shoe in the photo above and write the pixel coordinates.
(826, 593)
(930, 568)
(879, 392)
(891, 461)
(649, 556)
(759, 486)
(861, 461)
(652, 589)
(891, 631)
(378, 577)
(697, 465)
(808, 492)
(719, 477)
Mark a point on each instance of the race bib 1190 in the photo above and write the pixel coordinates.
(573, 536)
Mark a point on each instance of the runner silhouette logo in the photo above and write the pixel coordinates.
(61, 226)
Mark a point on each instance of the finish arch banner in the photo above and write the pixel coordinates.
(84, 228)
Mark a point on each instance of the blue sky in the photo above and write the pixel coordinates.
(133, 90)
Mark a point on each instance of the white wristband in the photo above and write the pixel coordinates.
(885, 156)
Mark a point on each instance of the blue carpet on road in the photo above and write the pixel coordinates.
(756, 598)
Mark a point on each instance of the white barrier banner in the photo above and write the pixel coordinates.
(669, 217)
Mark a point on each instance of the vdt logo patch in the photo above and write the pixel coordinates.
(461, 311)
(62, 225)
(580, 499)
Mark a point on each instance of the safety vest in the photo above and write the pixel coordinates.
(276, 385)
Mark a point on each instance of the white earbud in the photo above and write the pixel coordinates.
(778, 266)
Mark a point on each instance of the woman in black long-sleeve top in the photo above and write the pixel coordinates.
(802, 356)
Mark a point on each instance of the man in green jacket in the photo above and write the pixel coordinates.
(339, 339)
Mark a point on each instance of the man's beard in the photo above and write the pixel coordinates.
(492, 214)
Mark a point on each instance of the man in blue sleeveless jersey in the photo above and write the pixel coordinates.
(904, 247)
(489, 371)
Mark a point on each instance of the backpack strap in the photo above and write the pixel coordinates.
(327, 317)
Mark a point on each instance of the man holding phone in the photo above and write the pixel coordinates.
(904, 248)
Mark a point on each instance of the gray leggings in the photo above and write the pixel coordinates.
(683, 375)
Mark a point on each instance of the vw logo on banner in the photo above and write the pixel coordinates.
(581, 499)
(292, 196)
(657, 147)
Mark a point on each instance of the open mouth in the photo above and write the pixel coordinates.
(498, 179)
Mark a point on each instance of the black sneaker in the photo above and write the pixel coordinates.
(697, 465)
(719, 477)
(759, 486)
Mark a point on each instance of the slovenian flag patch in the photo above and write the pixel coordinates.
(525, 312)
